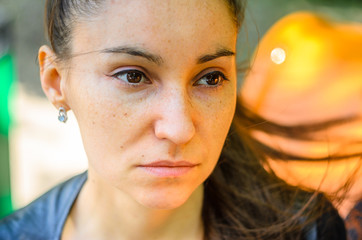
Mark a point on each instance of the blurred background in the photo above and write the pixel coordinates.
(37, 152)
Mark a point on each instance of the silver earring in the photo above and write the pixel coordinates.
(62, 117)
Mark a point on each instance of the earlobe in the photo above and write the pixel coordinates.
(51, 77)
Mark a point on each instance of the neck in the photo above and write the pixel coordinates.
(102, 210)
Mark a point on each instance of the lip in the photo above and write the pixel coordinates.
(168, 168)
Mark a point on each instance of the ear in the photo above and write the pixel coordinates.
(51, 77)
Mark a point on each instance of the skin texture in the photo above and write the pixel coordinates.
(173, 114)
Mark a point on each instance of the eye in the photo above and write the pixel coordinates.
(212, 79)
(132, 77)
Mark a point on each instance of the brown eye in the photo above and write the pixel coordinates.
(212, 79)
(132, 77)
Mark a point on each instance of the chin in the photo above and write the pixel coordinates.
(163, 205)
(168, 199)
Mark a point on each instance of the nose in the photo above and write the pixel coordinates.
(174, 120)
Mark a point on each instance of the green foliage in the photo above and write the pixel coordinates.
(6, 79)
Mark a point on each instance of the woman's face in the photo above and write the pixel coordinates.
(154, 95)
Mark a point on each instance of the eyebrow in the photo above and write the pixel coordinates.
(135, 51)
(223, 52)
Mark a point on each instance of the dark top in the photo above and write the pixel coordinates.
(354, 222)
(44, 218)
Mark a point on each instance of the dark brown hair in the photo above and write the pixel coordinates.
(242, 199)
(60, 16)
(245, 201)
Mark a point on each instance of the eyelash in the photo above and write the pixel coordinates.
(119, 74)
(144, 79)
(220, 82)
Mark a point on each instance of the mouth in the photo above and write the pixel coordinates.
(168, 168)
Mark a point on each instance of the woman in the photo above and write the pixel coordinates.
(153, 87)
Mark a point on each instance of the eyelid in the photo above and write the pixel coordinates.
(211, 71)
(140, 69)
(124, 70)
(129, 68)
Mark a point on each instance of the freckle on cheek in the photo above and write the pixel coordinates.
(121, 147)
(143, 156)
(125, 114)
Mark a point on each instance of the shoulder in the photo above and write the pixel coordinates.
(45, 216)
(354, 222)
(329, 226)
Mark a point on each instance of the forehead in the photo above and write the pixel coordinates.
(155, 23)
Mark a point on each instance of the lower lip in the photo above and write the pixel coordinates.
(166, 171)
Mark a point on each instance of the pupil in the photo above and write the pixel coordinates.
(134, 77)
(213, 79)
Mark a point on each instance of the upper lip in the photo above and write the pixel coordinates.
(169, 164)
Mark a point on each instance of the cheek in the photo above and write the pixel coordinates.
(217, 113)
(106, 118)
(214, 125)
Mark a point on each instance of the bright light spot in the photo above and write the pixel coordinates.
(278, 55)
